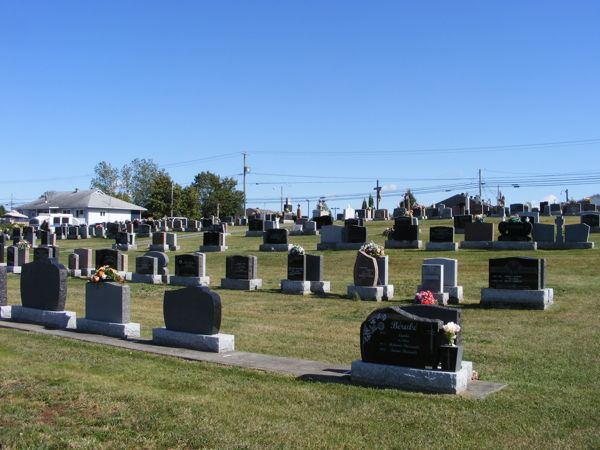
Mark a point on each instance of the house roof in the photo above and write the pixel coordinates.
(15, 215)
(91, 198)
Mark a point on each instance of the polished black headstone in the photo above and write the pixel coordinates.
(296, 267)
(44, 285)
(394, 336)
(461, 220)
(146, 265)
(211, 238)
(405, 233)
(515, 231)
(516, 273)
(192, 310)
(1, 253)
(322, 221)
(108, 257)
(359, 222)
(593, 220)
(256, 225)
(276, 236)
(121, 238)
(355, 234)
(366, 270)
(42, 252)
(437, 312)
(187, 265)
(314, 267)
(241, 267)
(441, 234)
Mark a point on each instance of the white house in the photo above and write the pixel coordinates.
(88, 206)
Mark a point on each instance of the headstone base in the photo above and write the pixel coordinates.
(408, 378)
(374, 293)
(253, 284)
(564, 246)
(174, 247)
(5, 312)
(88, 272)
(75, 273)
(275, 247)
(158, 248)
(13, 269)
(441, 246)
(295, 287)
(519, 299)
(50, 319)
(118, 330)
(514, 245)
(476, 245)
(402, 244)
(217, 343)
(254, 233)
(320, 287)
(124, 247)
(213, 248)
(148, 279)
(189, 281)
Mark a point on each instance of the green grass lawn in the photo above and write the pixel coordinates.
(57, 393)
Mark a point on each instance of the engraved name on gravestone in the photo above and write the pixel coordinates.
(188, 266)
(366, 270)
(44, 285)
(241, 267)
(517, 273)
(441, 234)
(192, 310)
(394, 336)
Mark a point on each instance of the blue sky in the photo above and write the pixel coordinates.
(325, 97)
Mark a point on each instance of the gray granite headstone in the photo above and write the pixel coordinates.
(107, 302)
(192, 310)
(432, 277)
(146, 265)
(577, 233)
(543, 232)
(450, 267)
(366, 270)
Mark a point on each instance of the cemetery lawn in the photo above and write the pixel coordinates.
(59, 393)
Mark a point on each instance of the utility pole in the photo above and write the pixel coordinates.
(281, 198)
(11, 201)
(172, 183)
(377, 189)
(480, 194)
(567, 194)
(246, 170)
(308, 208)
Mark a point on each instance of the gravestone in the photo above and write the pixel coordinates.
(193, 320)
(146, 265)
(405, 232)
(109, 257)
(520, 273)
(517, 208)
(42, 252)
(355, 234)
(3, 289)
(432, 279)
(314, 268)
(592, 220)
(162, 261)
(159, 242)
(366, 270)
(192, 310)
(213, 241)
(296, 268)
(305, 275)
(442, 313)
(322, 221)
(479, 232)
(44, 285)
(241, 267)
(189, 265)
(353, 221)
(256, 225)
(441, 234)
(542, 232)
(515, 231)
(172, 241)
(276, 236)
(394, 336)
(577, 233)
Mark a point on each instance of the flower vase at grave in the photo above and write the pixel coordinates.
(451, 357)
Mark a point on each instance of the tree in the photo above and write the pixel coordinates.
(2, 210)
(158, 201)
(371, 202)
(106, 178)
(214, 190)
(188, 203)
(364, 204)
(137, 177)
(410, 198)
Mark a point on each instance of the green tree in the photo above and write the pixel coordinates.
(2, 210)
(106, 178)
(371, 202)
(158, 200)
(214, 190)
(137, 177)
(411, 199)
(188, 203)
(364, 204)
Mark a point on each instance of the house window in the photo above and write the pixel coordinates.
(102, 213)
(66, 211)
(79, 213)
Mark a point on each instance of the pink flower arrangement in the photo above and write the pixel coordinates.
(425, 298)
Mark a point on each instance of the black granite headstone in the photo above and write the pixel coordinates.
(461, 220)
(241, 267)
(44, 285)
(121, 238)
(516, 273)
(515, 231)
(405, 233)
(322, 221)
(355, 234)
(296, 267)
(593, 220)
(441, 234)
(256, 225)
(1, 253)
(42, 252)
(358, 222)
(192, 310)
(187, 265)
(212, 238)
(146, 265)
(314, 267)
(394, 336)
(437, 312)
(366, 270)
(108, 257)
(276, 236)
